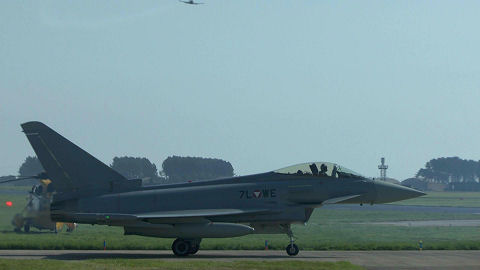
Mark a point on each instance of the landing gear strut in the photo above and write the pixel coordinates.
(292, 249)
(183, 247)
(194, 249)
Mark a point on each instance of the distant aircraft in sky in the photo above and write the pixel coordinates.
(191, 2)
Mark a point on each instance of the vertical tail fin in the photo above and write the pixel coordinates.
(73, 171)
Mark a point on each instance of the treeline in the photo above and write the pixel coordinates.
(174, 169)
(447, 174)
(447, 170)
(137, 168)
(179, 169)
(30, 167)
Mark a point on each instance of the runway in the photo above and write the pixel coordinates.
(372, 260)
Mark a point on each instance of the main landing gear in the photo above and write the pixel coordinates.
(292, 249)
(184, 247)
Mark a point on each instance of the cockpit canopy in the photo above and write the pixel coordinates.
(320, 169)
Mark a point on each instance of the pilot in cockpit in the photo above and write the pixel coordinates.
(323, 170)
(314, 169)
(334, 171)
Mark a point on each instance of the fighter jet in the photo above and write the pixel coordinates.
(88, 191)
(191, 2)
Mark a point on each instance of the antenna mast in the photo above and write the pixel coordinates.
(383, 169)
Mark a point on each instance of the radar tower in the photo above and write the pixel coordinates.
(383, 169)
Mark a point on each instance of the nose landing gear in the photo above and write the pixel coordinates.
(292, 249)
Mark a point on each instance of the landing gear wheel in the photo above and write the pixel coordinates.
(181, 247)
(292, 250)
(194, 249)
(26, 228)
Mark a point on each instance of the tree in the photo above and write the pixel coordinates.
(134, 167)
(178, 169)
(450, 170)
(31, 166)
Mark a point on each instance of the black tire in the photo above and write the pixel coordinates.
(292, 250)
(181, 247)
(26, 228)
(194, 249)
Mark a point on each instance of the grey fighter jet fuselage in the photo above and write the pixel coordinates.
(88, 191)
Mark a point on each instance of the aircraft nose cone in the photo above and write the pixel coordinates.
(387, 192)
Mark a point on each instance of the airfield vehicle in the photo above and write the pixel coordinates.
(88, 191)
(37, 211)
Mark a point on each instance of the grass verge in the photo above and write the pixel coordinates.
(458, 199)
(144, 264)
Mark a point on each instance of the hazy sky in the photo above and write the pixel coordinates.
(262, 84)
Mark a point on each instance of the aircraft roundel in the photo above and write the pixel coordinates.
(257, 193)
